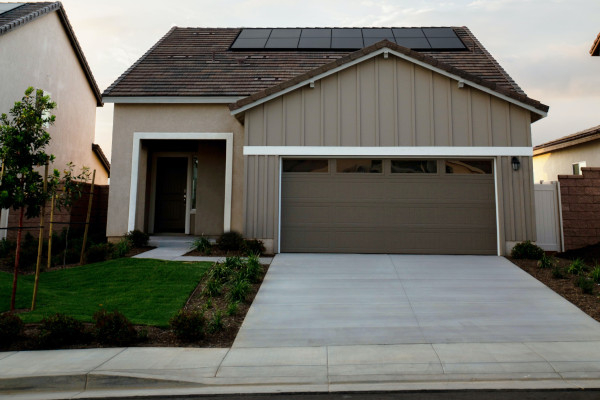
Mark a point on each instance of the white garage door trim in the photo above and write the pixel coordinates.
(494, 161)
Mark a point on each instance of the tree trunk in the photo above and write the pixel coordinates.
(17, 258)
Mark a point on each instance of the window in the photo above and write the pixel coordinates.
(305, 165)
(194, 180)
(414, 166)
(468, 166)
(359, 165)
(577, 167)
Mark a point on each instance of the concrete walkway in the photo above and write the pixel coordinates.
(336, 299)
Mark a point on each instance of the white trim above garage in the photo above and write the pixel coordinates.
(407, 151)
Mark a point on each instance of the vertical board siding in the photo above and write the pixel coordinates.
(517, 200)
(367, 100)
(480, 118)
(423, 102)
(404, 103)
(441, 110)
(262, 197)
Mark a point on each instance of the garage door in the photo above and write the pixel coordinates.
(388, 206)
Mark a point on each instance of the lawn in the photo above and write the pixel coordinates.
(148, 292)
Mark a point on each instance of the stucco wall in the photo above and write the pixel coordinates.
(548, 166)
(39, 54)
(199, 118)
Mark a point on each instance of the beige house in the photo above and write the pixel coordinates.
(372, 140)
(567, 155)
(39, 48)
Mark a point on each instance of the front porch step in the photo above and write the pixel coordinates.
(172, 241)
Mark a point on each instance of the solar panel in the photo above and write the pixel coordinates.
(427, 39)
(6, 7)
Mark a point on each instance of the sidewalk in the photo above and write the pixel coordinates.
(119, 372)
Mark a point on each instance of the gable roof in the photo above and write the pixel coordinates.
(581, 137)
(24, 14)
(197, 62)
(537, 108)
(595, 50)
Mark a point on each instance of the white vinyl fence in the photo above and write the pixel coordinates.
(548, 216)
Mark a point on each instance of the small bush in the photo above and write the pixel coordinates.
(216, 324)
(98, 252)
(61, 330)
(595, 274)
(252, 269)
(254, 246)
(546, 261)
(121, 248)
(6, 247)
(113, 328)
(213, 288)
(231, 241)
(208, 304)
(234, 263)
(11, 327)
(527, 250)
(558, 272)
(138, 238)
(585, 284)
(232, 308)
(577, 267)
(202, 245)
(220, 272)
(188, 325)
(238, 290)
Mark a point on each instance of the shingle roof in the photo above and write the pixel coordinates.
(502, 89)
(574, 139)
(197, 62)
(17, 17)
(595, 50)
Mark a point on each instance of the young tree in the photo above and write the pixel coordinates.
(23, 139)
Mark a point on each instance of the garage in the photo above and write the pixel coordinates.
(378, 205)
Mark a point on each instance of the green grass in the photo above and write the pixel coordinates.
(148, 292)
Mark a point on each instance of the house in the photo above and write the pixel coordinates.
(567, 155)
(39, 48)
(363, 140)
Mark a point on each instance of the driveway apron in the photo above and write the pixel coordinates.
(358, 299)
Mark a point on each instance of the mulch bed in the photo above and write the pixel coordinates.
(216, 252)
(588, 303)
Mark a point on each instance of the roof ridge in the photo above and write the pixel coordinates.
(135, 64)
(17, 22)
(513, 83)
(568, 138)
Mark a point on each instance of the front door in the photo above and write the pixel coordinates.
(171, 184)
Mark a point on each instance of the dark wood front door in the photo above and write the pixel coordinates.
(171, 183)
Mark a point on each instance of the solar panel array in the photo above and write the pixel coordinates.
(6, 7)
(345, 38)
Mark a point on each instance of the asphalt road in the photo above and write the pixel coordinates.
(427, 395)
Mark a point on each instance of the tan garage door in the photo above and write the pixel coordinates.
(388, 206)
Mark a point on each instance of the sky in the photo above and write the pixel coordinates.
(543, 44)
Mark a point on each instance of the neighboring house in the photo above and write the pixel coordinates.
(38, 48)
(595, 50)
(325, 140)
(567, 155)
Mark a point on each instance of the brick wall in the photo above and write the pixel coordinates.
(580, 197)
(75, 215)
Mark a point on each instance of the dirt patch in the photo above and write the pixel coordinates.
(590, 254)
(588, 303)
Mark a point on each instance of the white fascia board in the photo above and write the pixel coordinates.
(407, 151)
(172, 100)
(404, 57)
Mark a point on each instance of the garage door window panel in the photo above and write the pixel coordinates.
(414, 166)
(469, 167)
(306, 165)
(359, 165)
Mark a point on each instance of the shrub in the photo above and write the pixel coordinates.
(586, 285)
(6, 247)
(208, 304)
(232, 308)
(546, 261)
(595, 274)
(138, 238)
(238, 290)
(558, 272)
(203, 245)
(577, 267)
(213, 287)
(234, 263)
(216, 324)
(98, 252)
(113, 328)
(11, 327)
(61, 330)
(188, 325)
(231, 241)
(220, 272)
(254, 246)
(121, 248)
(527, 250)
(252, 268)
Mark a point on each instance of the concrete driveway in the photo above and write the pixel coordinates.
(331, 299)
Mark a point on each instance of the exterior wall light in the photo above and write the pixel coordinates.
(516, 164)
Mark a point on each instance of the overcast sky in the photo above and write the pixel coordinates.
(542, 44)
